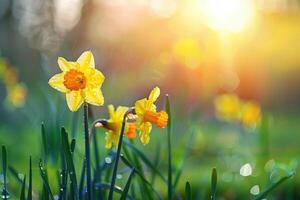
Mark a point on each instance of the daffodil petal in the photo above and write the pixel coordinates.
(108, 139)
(154, 94)
(111, 111)
(120, 112)
(86, 59)
(145, 129)
(74, 100)
(140, 106)
(57, 82)
(96, 78)
(94, 96)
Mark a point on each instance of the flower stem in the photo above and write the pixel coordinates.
(113, 179)
(87, 152)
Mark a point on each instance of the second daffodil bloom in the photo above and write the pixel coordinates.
(114, 125)
(147, 115)
(228, 107)
(80, 81)
(251, 114)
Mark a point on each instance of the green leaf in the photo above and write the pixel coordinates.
(4, 193)
(73, 144)
(170, 185)
(45, 180)
(29, 196)
(70, 163)
(188, 193)
(22, 196)
(271, 187)
(145, 160)
(127, 186)
(140, 174)
(15, 174)
(214, 179)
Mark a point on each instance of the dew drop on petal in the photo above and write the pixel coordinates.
(246, 170)
(255, 190)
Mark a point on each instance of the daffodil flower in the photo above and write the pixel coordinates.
(251, 114)
(114, 125)
(228, 107)
(147, 115)
(80, 81)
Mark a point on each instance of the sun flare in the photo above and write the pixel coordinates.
(228, 15)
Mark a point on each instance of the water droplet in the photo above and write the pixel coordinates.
(255, 190)
(108, 160)
(5, 194)
(246, 170)
(119, 176)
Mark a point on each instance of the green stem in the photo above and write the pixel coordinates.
(87, 153)
(170, 185)
(113, 179)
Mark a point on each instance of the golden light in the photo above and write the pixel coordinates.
(228, 15)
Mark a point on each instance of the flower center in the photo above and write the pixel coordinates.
(74, 80)
(160, 119)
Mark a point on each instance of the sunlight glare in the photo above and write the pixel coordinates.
(228, 15)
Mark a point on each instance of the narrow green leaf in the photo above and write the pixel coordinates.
(127, 186)
(4, 193)
(145, 160)
(70, 163)
(170, 185)
(214, 180)
(140, 174)
(116, 189)
(73, 144)
(271, 187)
(15, 174)
(188, 193)
(22, 196)
(45, 180)
(29, 196)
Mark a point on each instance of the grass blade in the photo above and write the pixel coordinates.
(29, 196)
(214, 179)
(15, 174)
(269, 189)
(188, 193)
(22, 196)
(170, 185)
(140, 174)
(127, 186)
(145, 160)
(4, 194)
(43, 173)
(70, 163)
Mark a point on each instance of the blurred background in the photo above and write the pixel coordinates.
(194, 50)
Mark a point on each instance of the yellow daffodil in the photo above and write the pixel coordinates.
(147, 115)
(114, 125)
(80, 81)
(251, 114)
(228, 107)
(16, 95)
